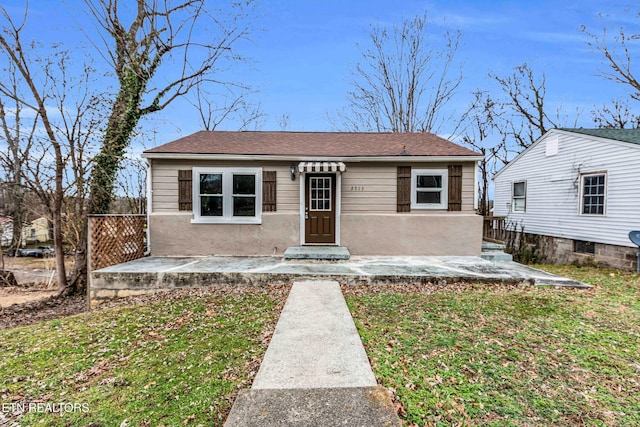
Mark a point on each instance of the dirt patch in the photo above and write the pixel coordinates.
(34, 299)
(29, 271)
(18, 295)
(41, 310)
(58, 307)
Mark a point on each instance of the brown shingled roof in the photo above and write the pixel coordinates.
(329, 144)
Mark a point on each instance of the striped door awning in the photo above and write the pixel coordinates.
(321, 167)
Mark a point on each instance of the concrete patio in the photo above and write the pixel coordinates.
(162, 273)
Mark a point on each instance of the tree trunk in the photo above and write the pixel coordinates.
(17, 199)
(484, 202)
(78, 281)
(61, 274)
(124, 118)
(16, 236)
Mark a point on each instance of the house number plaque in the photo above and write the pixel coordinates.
(356, 188)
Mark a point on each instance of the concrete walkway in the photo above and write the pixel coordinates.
(315, 371)
(315, 344)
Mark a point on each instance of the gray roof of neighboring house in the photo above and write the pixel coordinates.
(313, 144)
(625, 135)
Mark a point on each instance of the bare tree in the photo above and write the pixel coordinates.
(480, 129)
(80, 125)
(525, 96)
(166, 49)
(35, 99)
(617, 115)
(18, 145)
(617, 56)
(132, 185)
(284, 121)
(231, 107)
(57, 158)
(527, 113)
(405, 79)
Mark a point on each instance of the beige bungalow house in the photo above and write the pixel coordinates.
(259, 193)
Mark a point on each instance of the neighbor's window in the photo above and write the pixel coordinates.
(519, 197)
(584, 247)
(429, 188)
(593, 193)
(227, 195)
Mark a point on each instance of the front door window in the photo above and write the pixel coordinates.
(320, 193)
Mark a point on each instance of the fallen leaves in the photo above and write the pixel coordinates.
(41, 310)
(147, 357)
(490, 354)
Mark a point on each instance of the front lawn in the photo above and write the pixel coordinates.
(483, 355)
(177, 360)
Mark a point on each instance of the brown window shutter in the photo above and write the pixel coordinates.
(455, 188)
(404, 189)
(268, 191)
(185, 194)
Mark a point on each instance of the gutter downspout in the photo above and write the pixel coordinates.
(149, 205)
(476, 189)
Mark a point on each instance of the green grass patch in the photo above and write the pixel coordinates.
(179, 360)
(492, 355)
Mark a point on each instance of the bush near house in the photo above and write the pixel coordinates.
(482, 355)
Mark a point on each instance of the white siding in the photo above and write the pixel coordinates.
(553, 188)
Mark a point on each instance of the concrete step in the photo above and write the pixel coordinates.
(492, 247)
(353, 407)
(496, 256)
(329, 253)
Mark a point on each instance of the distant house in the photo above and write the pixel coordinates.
(40, 230)
(37, 231)
(579, 191)
(6, 231)
(258, 193)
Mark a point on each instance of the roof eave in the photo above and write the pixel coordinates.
(561, 132)
(271, 157)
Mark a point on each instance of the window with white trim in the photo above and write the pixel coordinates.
(593, 188)
(227, 195)
(519, 196)
(429, 188)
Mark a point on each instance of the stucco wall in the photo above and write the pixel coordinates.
(411, 234)
(174, 235)
(363, 234)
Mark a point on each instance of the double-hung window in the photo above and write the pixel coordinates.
(429, 188)
(519, 197)
(593, 189)
(227, 195)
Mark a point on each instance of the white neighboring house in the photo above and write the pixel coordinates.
(580, 188)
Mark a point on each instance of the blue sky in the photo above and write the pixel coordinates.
(307, 55)
(302, 58)
(308, 52)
